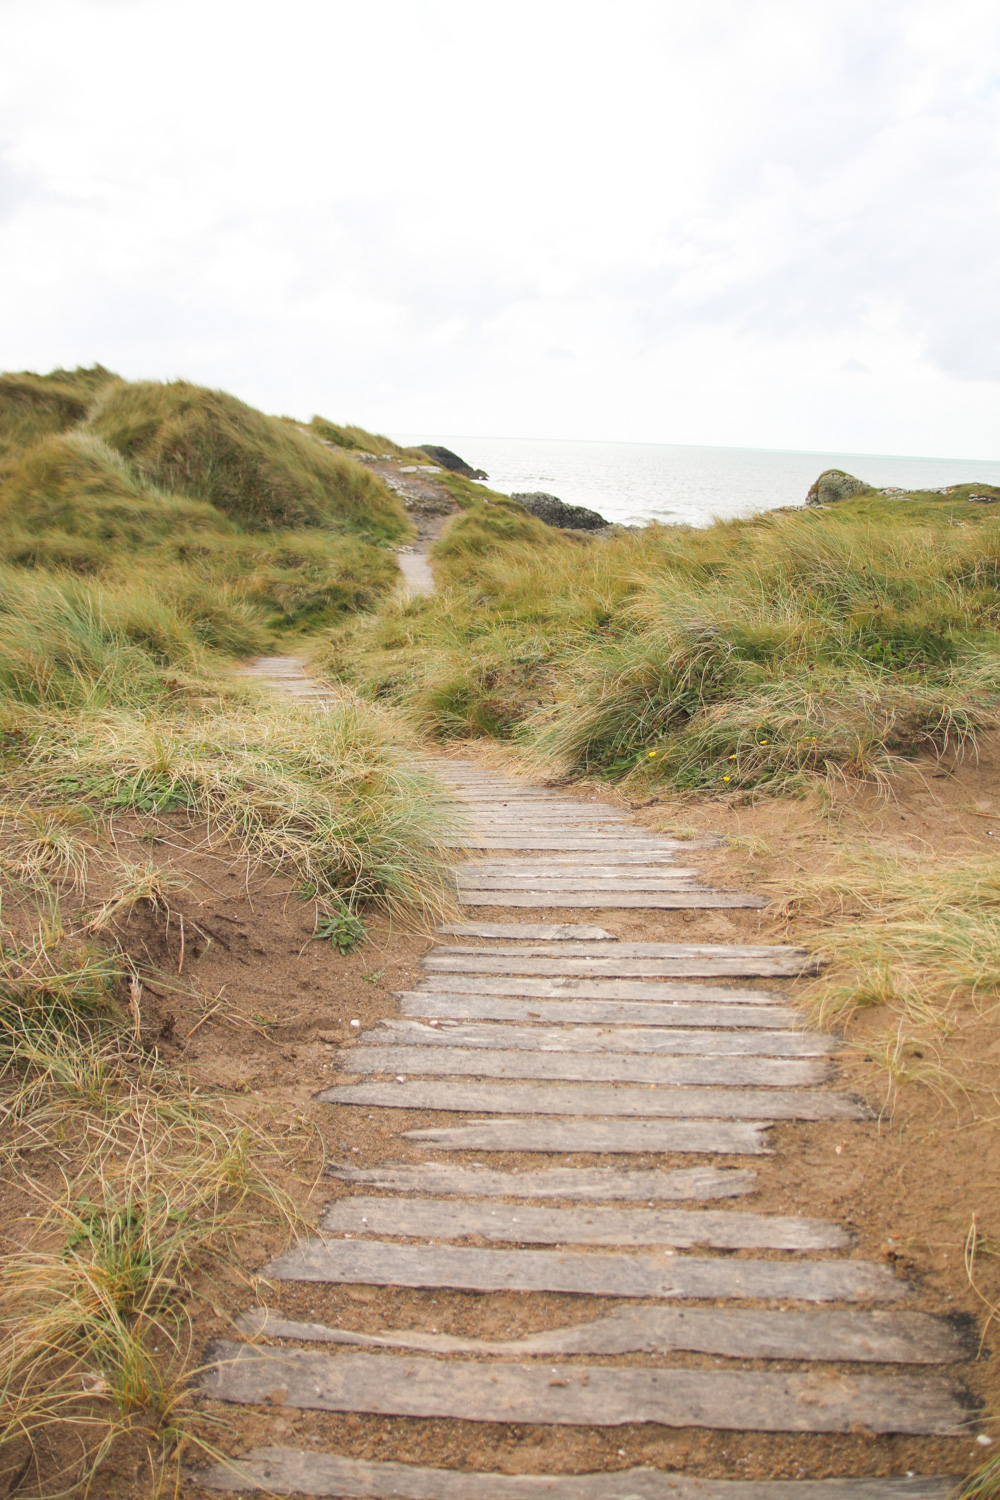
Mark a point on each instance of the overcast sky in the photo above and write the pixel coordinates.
(771, 223)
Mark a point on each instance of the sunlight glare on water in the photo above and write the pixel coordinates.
(638, 482)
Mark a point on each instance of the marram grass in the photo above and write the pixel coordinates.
(747, 657)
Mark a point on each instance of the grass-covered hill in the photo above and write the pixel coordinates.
(150, 535)
(235, 520)
(754, 655)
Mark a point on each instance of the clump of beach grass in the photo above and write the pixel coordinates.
(919, 934)
(748, 657)
(136, 1186)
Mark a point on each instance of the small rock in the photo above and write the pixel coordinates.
(555, 512)
(833, 485)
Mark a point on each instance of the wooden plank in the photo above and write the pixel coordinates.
(571, 987)
(527, 824)
(571, 869)
(581, 1067)
(611, 968)
(621, 901)
(528, 1224)
(638, 1039)
(630, 862)
(568, 842)
(737, 1332)
(452, 1006)
(618, 965)
(536, 932)
(705, 1137)
(585, 1395)
(769, 952)
(597, 1099)
(294, 1471)
(587, 1272)
(588, 1184)
(664, 879)
(576, 987)
(539, 816)
(592, 878)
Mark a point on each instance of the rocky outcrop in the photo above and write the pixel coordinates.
(556, 513)
(451, 461)
(833, 485)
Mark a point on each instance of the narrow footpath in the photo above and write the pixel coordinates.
(598, 1185)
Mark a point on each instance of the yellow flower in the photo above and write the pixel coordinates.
(763, 742)
(732, 757)
(652, 753)
(727, 778)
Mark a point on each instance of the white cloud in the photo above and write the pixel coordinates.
(664, 222)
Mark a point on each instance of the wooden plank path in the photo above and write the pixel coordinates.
(557, 1043)
(295, 1471)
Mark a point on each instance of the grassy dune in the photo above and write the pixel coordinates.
(752, 656)
(149, 535)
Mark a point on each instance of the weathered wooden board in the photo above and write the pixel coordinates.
(736, 1332)
(569, 986)
(293, 1471)
(631, 861)
(475, 874)
(704, 1137)
(650, 852)
(572, 987)
(596, 1099)
(608, 1012)
(607, 900)
(665, 880)
(571, 870)
(587, 1184)
(637, 1039)
(484, 803)
(535, 932)
(582, 1395)
(567, 843)
(595, 1273)
(618, 966)
(581, 1067)
(542, 816)
(768, 952)
(528, 1224)
(521, 823)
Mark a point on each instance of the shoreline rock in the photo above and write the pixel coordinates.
(452, 462)
(835, 484)
(555, 512)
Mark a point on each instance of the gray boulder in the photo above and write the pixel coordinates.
(556, 513)
(833, 485)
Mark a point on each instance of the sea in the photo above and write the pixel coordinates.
(635, 483)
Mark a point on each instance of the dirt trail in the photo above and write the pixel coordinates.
(604, 1246)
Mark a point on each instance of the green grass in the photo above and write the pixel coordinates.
(151, 1183)
(749, 656)
(35, 406)
(260, 471)
(244, 525)
(356, 438)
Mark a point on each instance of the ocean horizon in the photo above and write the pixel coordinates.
(678, 484)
